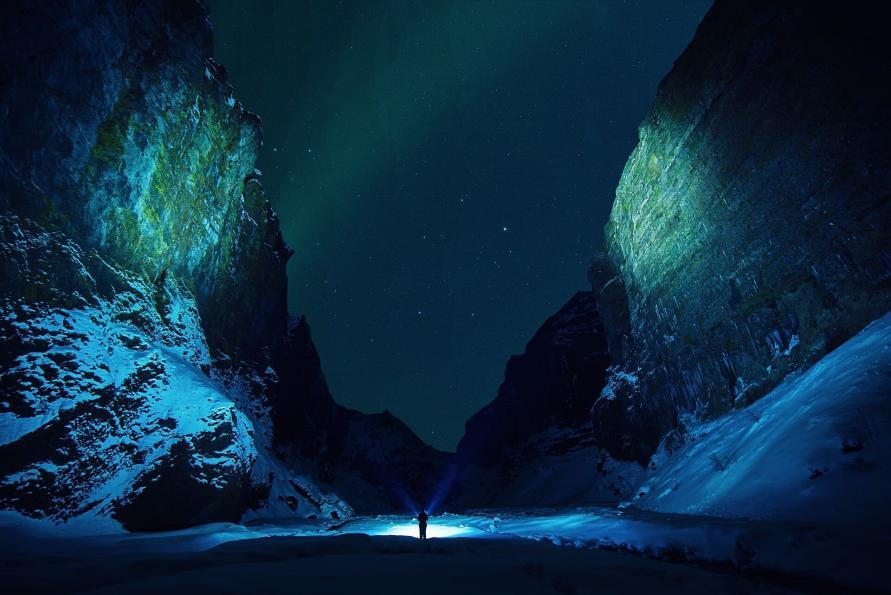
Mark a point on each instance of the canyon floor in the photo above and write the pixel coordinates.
(546, 551)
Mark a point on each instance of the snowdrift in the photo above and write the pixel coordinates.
(816, 448)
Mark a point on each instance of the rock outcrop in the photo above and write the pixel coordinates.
(551, 383)
(120, 131)
(373, 461)
(748, 238)
(534, 444)
(148, 371)
(750, 223)
(104, 386)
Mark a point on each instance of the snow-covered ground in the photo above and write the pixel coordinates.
(465, 554)
(803, 555)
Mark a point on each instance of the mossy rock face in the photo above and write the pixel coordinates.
(147, 368)
(142, 279)
(132, 143)
(165, 183)
(750, 223)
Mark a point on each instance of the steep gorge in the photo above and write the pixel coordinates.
(152, 377)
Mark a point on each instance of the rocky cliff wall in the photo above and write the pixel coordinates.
(104, 389)
(118, 129)
(149, 375)
(534, 444)
(750, 226)
(551, 383)
(143, 286)
(373, 461)
(748, 238)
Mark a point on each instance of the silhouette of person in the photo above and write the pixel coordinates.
(422, 523)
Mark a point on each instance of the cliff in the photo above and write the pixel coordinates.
(119, 130)
(149, 374)
(750, 223)
(549, 384)
(748, 240)
(534, 444)
(374, 461)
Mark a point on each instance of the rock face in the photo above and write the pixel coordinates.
(148, 372)
(553, 382)
(373, 461)
(747, 240)
(750, 223)
(118, 130)
(103, 387)
(534, 443)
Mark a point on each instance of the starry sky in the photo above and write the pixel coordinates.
(443, 171)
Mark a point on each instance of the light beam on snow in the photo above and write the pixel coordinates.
(433, 530)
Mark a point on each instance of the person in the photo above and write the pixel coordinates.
(422, 523)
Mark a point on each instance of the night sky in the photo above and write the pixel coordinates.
(443, 171)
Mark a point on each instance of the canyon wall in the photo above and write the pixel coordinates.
(534, 444)
(748, 239)
(750, 226)
(150, 376)
(119, 130)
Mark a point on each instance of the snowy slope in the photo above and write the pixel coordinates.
(390, 564)
(108, 408)
(104, 392)
(816, 448)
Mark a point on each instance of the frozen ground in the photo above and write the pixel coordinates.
(578, 551)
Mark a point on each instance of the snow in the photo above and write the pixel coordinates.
(814, 449)
(434, 530)
(362, 564)
(616, 380)
(140, 363)
(575, 540)
(12, 427)
(549, 473)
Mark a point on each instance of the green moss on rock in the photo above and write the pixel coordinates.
(747, 222)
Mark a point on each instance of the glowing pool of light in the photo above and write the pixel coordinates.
(433, 530)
